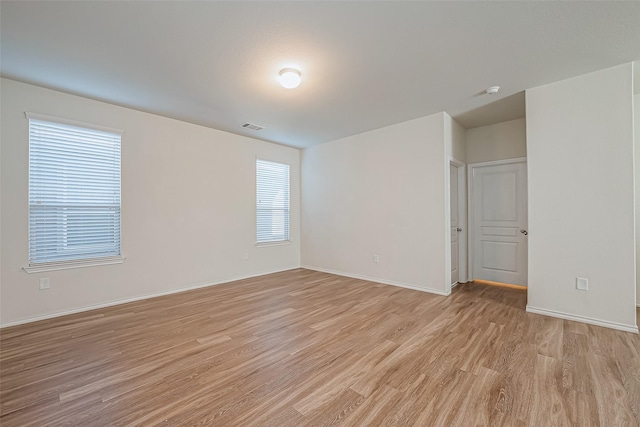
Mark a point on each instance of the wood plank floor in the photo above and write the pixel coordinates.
(303, 348)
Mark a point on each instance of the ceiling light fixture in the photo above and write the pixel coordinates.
(290, 78)
(493, 90)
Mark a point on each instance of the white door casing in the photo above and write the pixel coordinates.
(498, 221)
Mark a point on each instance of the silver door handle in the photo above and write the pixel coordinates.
(524, 232)
(458, 229)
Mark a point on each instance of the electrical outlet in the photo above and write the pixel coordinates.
(45, 283)
(582, 284)
(245, 256)
(376, 258)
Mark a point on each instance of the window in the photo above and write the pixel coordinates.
(272, 202)
(74, 193)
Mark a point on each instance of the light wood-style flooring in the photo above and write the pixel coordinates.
(303, 348)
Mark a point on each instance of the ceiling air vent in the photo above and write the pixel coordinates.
(252, 126)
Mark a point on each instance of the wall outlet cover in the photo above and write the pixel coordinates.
(582, 284)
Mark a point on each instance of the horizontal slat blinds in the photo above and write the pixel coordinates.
(74, 193)
(272, 197)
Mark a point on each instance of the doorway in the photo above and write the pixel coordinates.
(498, 222)
(458, 219)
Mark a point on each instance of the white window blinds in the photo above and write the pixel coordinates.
(74, 193)
(272, 197)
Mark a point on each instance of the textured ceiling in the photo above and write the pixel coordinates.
(364, 65)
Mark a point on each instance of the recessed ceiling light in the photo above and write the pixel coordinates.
(290, 78)
(493, 90)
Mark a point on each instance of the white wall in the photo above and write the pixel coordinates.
(458, 139)
(380, 192)
(188, 207)
(506, 140)
(636, 128)
(581, 197)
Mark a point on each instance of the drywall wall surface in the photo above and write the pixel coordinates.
(506, 140)
(188, 207)
(581, 197)
(458, 141)
(636, 133)
(379, 193)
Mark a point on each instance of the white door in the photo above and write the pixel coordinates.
(499, 205)
(455, 226)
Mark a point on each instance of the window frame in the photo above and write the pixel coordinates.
(34, 266)
(286, 239)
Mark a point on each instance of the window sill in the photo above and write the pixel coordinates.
(277, 243)
(65, 265)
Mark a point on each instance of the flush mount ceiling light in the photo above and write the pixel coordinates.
(493, 90)
(290, 78)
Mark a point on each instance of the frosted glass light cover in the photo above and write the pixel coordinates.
(290, 78)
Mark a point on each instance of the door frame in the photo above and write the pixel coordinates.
(470, 227)
(462, 221)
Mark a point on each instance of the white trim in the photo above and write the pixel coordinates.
(65, 265)
(53, 119)
(273, 243)
(377, 280)
(139, 298)
(470, 228)
(583, 319)
(499, 162)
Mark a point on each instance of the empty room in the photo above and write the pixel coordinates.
(313, 213)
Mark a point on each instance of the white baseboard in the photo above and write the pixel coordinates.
(583, 319)
(138, 298)
(377, 280)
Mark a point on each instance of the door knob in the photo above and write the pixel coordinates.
(458, 229)
(524, 232)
